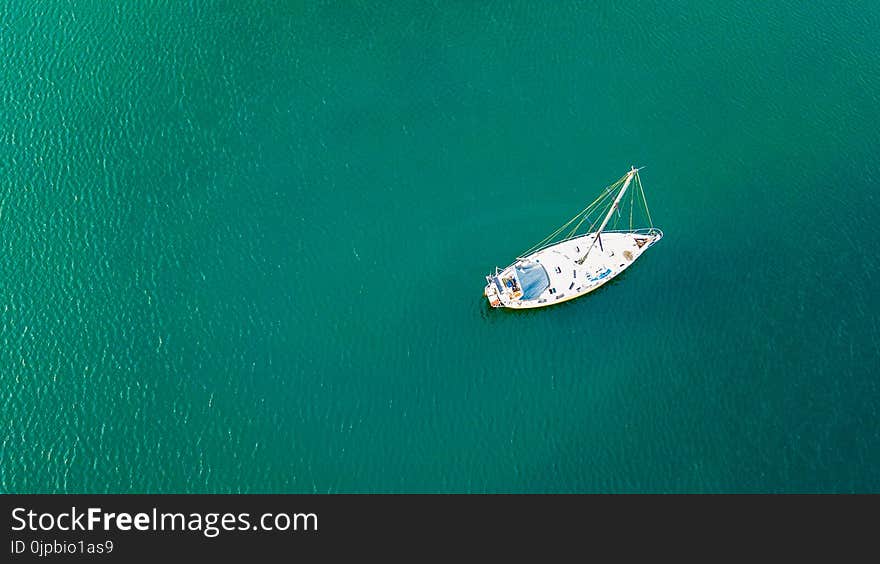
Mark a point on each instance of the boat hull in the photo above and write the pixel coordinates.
(564, 276)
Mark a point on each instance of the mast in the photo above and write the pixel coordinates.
(629, 177)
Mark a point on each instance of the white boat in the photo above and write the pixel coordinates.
(565, 266)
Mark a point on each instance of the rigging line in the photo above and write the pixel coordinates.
(601, 204)
(554, 234)
(609, 210)
(632, 196)
(590, 230)
(608, 190)
(644, 200)
(580, 214)
(578, 226)
(587, 216)
(550, 237)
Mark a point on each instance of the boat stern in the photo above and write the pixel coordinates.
(492, 292)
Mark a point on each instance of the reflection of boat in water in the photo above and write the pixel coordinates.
(564, 265)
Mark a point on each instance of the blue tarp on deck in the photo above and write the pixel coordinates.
(533, 279)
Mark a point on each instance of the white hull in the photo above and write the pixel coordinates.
(563, 279)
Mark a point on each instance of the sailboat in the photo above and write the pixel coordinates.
(566, 265)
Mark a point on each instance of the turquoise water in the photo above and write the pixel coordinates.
(244, 247)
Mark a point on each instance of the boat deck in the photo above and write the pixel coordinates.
(567, 278)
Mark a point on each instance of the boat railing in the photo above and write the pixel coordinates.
(641, 231)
